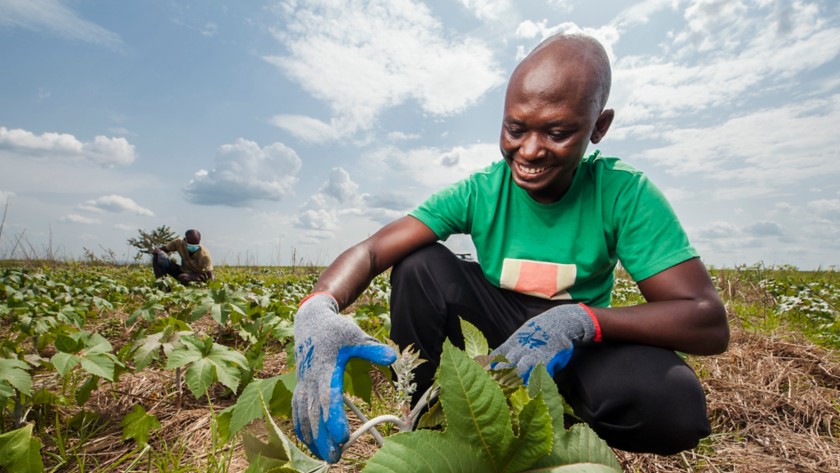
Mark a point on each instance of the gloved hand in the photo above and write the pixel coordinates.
(324, 342)
(549, 338)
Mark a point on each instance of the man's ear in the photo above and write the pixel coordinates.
(602, 124)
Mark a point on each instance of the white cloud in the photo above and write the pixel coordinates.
(308, 128)
(363, 59)
(764, 228)
(57, 18)
(6, 196)
(115, 203)
(723, 61)
(537, 31)
(321, 220)
(124, 227)
(827, 208)
(340, 186)
(76, 218)
(427, 169)
(767, 149)
(491, 10)
(243, 173)
(102, 150)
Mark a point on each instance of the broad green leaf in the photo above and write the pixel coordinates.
(182, 356)
(227, 375)
(535, 436)
(101, 365)
(248, 408)
(541, 382)
(14, 372)
(281, 449)
(222, 353)
(138, 424)
(474, 342)
(20, 452)
(578, 468)
(580, 444)
(426, 451)
(474, 405)
(199, 377)
(217, 314)
(67, 344)
(64, 362)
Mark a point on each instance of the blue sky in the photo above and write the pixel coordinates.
(297, 128)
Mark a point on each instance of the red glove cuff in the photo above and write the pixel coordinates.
(310, 296)
(597, 337)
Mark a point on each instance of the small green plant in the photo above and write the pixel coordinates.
(491, 423)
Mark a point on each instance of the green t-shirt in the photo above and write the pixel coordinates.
(567, 249)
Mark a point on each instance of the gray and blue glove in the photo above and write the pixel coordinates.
(548, 338)
(324, 342)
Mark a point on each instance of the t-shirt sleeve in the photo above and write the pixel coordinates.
(447, 212)
(172, 245)
(650, 238)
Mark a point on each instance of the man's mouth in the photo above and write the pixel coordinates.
(530, 170)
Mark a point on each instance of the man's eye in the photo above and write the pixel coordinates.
(515, 132)
(558, 135)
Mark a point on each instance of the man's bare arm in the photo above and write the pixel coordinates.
(683, 312)
(351, 273)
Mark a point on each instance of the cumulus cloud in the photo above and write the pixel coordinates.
(54, 16)
(768, 149)
(115, 203)
(727, 53)
(765, 228)
(322, 220)
(245, 172)
(827, 208)
(491, 10)
(340, 186)
(429, 168)
(104, 151)
(76, 218)
(363, 59)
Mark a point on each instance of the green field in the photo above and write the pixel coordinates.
(103, 369)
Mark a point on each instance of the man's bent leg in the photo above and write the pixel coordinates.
(430, 290)
(638, 398)
(162, 265)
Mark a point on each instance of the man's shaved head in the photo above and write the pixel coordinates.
(567, 57)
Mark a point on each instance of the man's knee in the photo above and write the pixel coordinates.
(421, 263)
(663, 419)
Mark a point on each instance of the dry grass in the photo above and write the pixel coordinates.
(775, 407)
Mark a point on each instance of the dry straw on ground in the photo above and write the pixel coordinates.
(775, 407)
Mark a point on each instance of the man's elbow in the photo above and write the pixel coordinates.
(718, 330)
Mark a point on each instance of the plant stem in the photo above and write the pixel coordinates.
(424, 401)
(369, 424)
(376, 435)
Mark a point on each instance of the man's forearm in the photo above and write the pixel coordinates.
(697, 327)
(349, 275)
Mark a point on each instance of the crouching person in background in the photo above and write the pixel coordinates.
(196, 263)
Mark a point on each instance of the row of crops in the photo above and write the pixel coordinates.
(70, 330)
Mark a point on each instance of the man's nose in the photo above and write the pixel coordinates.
(532, 147)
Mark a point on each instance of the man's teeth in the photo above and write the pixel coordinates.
(531, 170)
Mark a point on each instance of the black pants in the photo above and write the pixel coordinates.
(638, 398)
(162, 265)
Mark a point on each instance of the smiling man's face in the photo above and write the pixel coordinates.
(553, 110)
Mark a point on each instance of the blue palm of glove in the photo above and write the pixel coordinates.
(548, 338)
(324, 343)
